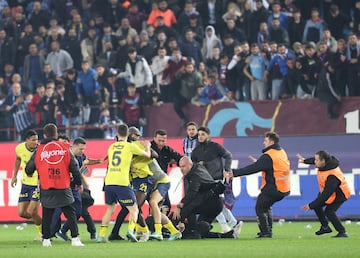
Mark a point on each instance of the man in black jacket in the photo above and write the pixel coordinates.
(334, 191)
(55, 162)
(202, 199)
(210, 154)
(275, 185)
(167, 155)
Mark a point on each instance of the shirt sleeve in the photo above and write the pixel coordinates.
(262, 164)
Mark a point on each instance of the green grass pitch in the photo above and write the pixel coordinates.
(291, 239)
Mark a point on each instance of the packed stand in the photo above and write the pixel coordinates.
(99, 63)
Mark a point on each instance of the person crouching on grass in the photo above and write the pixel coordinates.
(334, 191)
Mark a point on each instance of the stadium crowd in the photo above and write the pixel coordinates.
(98, 62)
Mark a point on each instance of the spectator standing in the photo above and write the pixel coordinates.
(39, 16)
(59, 59)
(48, 106)
(88, 91)
(132, 106)
(314, 27)
(337, 21)
(40, 93)
(158, 65)
(260, 15)
(33, 66)
(190, 48)
(114, 12)
(89, 46)
(352, 55)
(72, 45)
(278, 34)
(276, 13)
(296, 27)
(165, 12)
(210, 42)
(137, 19)
(137, 71)
(7, 50)
(256, 63)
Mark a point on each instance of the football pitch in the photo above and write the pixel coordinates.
(291, 239)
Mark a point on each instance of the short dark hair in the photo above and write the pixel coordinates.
(63, 137)
(161, 132)
(30, 133)
(79, 140)
(273, 136)
(123, 130)
(50, 130)
(191, 123)
(204, 129)
(323, 155)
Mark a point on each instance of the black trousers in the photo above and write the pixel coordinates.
(70, 214)
(264, 202)
(206, 211)
(179, 103)
(90, 226)
(329, 213)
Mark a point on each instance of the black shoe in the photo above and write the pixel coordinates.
(323, 230)
(92, 236)
(264, 235)
(343, 234)
(115, 237)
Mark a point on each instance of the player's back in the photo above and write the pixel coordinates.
(120, 155)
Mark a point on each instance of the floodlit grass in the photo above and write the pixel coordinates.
(295, 239)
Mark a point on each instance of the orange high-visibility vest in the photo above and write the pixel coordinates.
(281, 166)
(322, 177)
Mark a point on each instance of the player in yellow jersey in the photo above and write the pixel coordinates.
(28, 204)
(160, 190)
(149, 181)
(117, 181)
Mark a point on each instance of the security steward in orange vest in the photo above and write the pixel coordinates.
(275, 185)
(334, 191)
(54, 162)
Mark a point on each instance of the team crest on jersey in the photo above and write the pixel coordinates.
(53, 153)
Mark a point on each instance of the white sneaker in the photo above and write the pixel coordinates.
(237, 229)
(75, 241)
(46, 243)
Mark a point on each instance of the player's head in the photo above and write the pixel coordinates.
(271, 138)
(78, 146)
(31, 139)
(134, 133)
(50, 131)
(191, 129)
(123, 131)
(160, 138)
